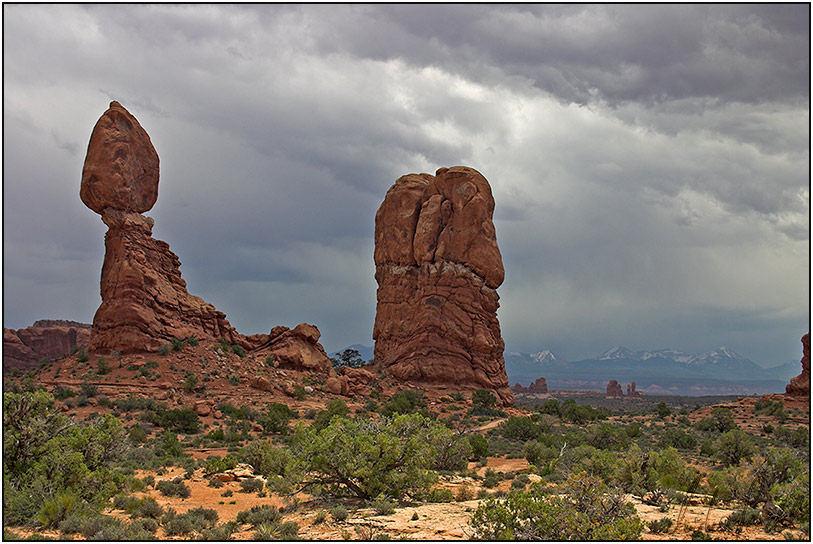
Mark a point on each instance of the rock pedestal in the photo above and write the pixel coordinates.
(144, 299)
(438, 267)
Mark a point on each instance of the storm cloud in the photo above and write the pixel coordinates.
(650, 164)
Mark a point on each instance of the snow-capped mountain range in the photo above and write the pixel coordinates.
(668, 368)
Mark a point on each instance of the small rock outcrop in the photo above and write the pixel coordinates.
(800, 385)
(614, 389)
(144, 299)
(539, 386)
(438, 268)
(46, 339)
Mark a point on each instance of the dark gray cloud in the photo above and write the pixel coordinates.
(650, 163)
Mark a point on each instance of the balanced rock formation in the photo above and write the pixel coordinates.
(800, 385)
(52, 339)
(144, 299)
(539, 386)
(438, 267)
(614, 389)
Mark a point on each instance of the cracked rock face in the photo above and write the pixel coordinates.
(438, 267)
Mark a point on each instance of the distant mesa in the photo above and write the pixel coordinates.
(438, 268)
(46, 339)
(539, 386)
(800, 385)
(145, 303)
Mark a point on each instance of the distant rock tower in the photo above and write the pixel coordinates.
(438, 268)
(800, 385)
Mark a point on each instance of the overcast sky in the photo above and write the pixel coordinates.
(649, 163)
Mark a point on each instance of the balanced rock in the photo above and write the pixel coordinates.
(121, 166)
(144, 299)
(438, 267)
(800, 385)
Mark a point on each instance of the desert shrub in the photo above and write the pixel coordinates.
(251, 485)
(219, 533)
(491, 478)
(587, 510)
(607, 437)
(164, 349)
(743, 517)
(102, 366)
(62, 393)
(179, 420)
(277, 531)
(550, 407)
(276, 417)
(146, 508)
(519, 428)
(214, 482)
(47, 458)
(215, 464)
(89, 389)
(334, 408)
(658, 526)
(581, 413)
(55, 509)
(257, 515)
(383, 505)
(190, 382)
(168, 446)
(173, 488)
(267, 459)
(770, 408)
(479, 446)
(368, 458)
(149, 480)
(789, 505)
(176, 344)
(339, 513)
(663, 410)
(537, 453)
(453, 450)
(239, 351)
(440, 494)
(483, 403)
(676, 438)
(404, 402)
(797, 438)
(82, 356)
(733, 446)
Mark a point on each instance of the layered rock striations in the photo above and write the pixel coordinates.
(144, 299)
(799, 386)
(53, 339)
(438, 267)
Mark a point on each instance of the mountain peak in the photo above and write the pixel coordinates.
(546, 356)
(618, 352)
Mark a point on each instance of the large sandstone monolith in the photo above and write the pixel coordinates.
(614, 389)
(438, 268)
(800, 385)
(144, 299)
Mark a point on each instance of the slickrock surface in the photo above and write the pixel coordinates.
(438, 267)
(144, 299)
(800, 385)
(24, 348)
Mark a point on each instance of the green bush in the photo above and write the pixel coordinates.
(239, 351)
(479, 446)
(519, 428)
(676, 438)
(257, 515)
(82, 356)
(339, 513)
(440, 494)
(368, 458)
(404, 402)
(383, 505)
(103, 367)
(587, 510)
(334, 408)
(251, 485)
(658, 526)
(173, 488)
(276, 417)
(733, 446)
